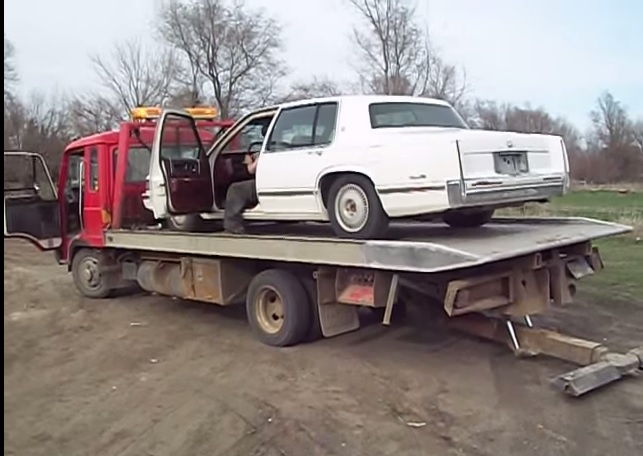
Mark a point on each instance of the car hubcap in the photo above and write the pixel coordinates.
(351, 207)
(90, 273)
(270, 310)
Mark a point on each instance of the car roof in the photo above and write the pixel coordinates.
(366, 99)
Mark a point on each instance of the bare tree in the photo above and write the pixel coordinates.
(135, 76)
(234, 49)
(524, 119)
(10, 73)
(39, 125)
(614, 136)
(395, 54)
(638, 134)
(612, 125)
(93, 113)
(317, 87)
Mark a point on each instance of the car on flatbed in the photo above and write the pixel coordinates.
(358, 162)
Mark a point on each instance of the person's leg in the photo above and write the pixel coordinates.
(240, 196)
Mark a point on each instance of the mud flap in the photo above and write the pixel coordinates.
(336, 319)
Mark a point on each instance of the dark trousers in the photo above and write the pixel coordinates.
(241, 196)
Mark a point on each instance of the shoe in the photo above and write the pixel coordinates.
(235, 229)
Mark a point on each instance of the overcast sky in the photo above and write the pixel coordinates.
(559, 54)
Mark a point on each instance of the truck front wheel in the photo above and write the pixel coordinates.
(87, 272)
(278, 309)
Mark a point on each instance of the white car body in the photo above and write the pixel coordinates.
(415, 170)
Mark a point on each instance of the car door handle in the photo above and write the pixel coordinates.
(315, 152)
(418, 176)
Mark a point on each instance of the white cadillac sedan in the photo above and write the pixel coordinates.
(356, 162)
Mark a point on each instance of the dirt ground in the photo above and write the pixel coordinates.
(146, 375)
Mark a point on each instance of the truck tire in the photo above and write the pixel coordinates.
(278, 308)
(184, 223)
(354, 208)
(471, 219)
(87, 275)
(314, 332)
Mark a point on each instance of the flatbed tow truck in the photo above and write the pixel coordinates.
(299, 283)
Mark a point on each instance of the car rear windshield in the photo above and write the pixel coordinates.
(396, 115)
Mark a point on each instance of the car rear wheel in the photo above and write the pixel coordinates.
(354, 208)
(471, 219)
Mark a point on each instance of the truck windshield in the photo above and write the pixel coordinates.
(398, 115)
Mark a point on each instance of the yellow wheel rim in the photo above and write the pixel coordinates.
(269, 310)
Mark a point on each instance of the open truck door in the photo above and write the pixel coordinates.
(180, 175)
(31, 208)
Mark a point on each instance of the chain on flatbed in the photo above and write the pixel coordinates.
(414, 247)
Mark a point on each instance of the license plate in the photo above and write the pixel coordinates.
(511, 163)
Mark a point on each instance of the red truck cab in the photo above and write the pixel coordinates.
(100, 185)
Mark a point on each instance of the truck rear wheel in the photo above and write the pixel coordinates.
(89, 279)
(471, 219)
(278, 308)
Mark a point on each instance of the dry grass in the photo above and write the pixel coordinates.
(626, 187)
(624, 207)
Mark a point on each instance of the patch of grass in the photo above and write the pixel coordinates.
(601, 199)
(623, 273)
(625, 208)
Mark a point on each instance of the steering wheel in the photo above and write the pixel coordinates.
(252, 144)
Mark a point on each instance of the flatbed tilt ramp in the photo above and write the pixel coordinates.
(490, 280)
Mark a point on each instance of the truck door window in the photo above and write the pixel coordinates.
(93, 169)
(72, 192)
(179, 139)
(138, 164)
(73, 170)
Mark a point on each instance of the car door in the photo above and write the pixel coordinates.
(293, 157)
(180, 176)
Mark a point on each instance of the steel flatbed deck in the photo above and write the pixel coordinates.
(412, 247)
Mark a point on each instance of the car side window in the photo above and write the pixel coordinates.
(294, 128)
(304, 126)
(325, 124)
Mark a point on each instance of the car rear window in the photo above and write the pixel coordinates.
(397, 115)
